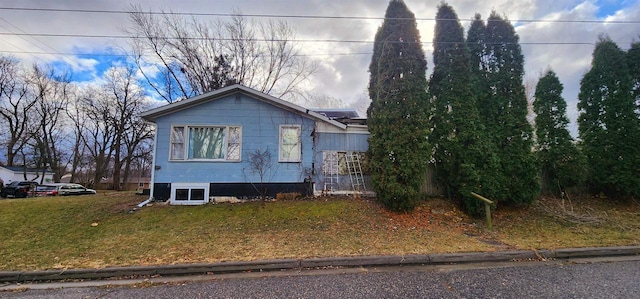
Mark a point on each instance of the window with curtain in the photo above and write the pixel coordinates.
(206, 143)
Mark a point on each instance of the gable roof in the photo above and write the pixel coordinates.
(153, 114)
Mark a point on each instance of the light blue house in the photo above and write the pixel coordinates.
(239, 142)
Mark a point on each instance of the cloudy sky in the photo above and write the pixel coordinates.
(556, 34)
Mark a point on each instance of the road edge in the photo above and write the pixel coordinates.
(312, 263)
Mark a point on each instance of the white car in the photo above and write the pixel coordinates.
(73, 189)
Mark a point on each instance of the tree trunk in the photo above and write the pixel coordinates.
(117, 166)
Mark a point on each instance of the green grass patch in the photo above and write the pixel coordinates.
(100, 231)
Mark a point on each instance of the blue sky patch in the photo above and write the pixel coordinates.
(93, 65)
(609, 7)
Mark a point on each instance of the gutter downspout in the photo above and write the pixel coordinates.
(153, 169)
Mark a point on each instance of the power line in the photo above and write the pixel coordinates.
(256, 40)
(296, 16)
(65, 57)
(23, 51)
(24, 34)
(128, 55)
(63, 53)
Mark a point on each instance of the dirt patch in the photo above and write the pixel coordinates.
(433, 214)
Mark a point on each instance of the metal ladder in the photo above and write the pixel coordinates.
(355, 171)
(330, 170)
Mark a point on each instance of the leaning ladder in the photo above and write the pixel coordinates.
(330, 170)
(355, 171)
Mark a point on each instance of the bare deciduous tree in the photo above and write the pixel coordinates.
(15, 106)
(49, 123)
(75, 113)
(125, 100)
(50, 96)
(181, 58)
(99, 134)
(260, 164)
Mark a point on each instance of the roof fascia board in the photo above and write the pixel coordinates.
(153, 114)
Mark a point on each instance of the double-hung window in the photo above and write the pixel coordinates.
(218, 143)
(289, 145)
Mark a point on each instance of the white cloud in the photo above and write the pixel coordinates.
(569, 61)
(339, 76)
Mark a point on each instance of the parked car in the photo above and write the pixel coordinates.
(46, 190)
(18, 189)
(73, 189)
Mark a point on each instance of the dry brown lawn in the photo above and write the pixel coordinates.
(101, 231)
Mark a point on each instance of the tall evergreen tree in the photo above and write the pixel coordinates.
(633, 60)
(476, 41)
(608, 125)
(561, 163)
(461, 152)
(397, 116)
(497, 65)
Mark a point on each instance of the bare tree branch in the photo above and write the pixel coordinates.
(15, 106)
(193, 57)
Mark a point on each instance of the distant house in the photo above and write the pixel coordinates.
(10, 174)
(136, 183)
(219, 144)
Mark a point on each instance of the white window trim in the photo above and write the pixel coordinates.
(239, 145)
(175, 186)
(185, 152)
(280, 139)
(184, 141)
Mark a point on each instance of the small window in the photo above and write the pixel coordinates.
(189, 193)
(233, 144)
(197, 194)
(177, 143)
(182, 194)
(290, 148)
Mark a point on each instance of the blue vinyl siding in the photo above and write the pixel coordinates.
(260, 124)
(341, 142)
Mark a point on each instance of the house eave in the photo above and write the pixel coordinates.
(153, 114)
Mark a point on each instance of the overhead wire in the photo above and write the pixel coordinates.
(23, 33)
(295, 16)
(127, 55)
(22, 50)
(252, 39)
(55, 52)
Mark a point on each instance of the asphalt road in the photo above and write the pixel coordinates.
(586, 278)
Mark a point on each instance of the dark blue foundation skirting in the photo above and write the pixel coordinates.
(162, 191)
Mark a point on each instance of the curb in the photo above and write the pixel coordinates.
(313, 263)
